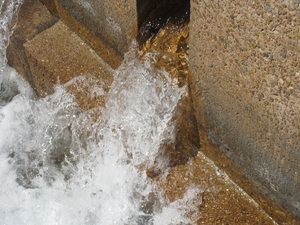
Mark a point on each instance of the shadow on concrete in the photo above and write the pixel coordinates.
(155, 14)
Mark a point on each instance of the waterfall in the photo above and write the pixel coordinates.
(60, 166)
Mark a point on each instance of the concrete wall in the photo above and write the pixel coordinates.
(47, 52)
(244, 60)
(33, 19)
(244, 64)
(106, 26)
(114, 21)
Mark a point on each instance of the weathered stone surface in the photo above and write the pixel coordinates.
(100, 46)
(220, 201)
(258, 193)
(64, 56)
(33, 18)
(245, 75)
(244, 68)
(113, 21)
(50, 4)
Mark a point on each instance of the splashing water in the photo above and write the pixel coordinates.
(59, 166)
(7, 11)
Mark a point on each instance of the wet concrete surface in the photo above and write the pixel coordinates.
(221, 200)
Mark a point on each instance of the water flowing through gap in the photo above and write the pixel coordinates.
(59, 166)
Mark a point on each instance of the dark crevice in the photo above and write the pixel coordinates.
(155, 14)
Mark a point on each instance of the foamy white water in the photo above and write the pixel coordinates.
(8, 9)
(58, 166)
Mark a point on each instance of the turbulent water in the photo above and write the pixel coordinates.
(59, 166)
(8, 9)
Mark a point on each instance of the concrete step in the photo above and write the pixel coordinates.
(221, 201)
(57, 55)
(48, 55)
(33, 18)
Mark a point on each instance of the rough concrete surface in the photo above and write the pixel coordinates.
(50, 4)
(114, 21)
(57, 55)
(33, 18)
(106, 52)
(245, 76)
(256, 191)
(220, 201)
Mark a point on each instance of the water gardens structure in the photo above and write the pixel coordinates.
(243, 82)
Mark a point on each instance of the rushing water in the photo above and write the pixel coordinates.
(59, 166)
(8, 9)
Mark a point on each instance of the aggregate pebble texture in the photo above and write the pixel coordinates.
(57, 55)
(33, 18)
(107, 52)
(114, 21)
(220, 200)
(245, 82)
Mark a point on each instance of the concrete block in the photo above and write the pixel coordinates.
(99, 45)
(245, 75)
(64, 56)
(33, 18)
(50, 4)
(220, 201)
(113, 21)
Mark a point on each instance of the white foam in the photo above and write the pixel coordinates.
(8, 9)
(60, 167)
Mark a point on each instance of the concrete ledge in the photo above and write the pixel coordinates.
(65, 56)
(113, 21)
(245, 77)
(220, 202)
(50, 4)
(33, 18)
(100, 46)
